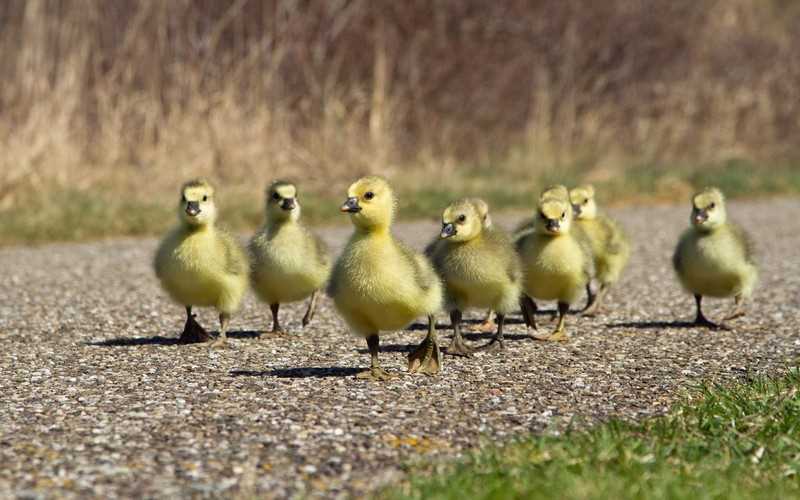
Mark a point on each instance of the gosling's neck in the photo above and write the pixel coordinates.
(477, 239)
(706, 231)
(377, 231)
(275, 225)
(192, 229)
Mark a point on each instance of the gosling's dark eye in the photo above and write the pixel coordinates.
(369, 195)
(205, 198)
(712, 206)
(586, 201)
(462, 218)
(564, 214)
(276, 196)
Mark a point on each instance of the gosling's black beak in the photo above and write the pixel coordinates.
(288, 204)
(448, 230)
(576, 210)
(553, 225)
(700, 216)
(192, 208)
(351, 205)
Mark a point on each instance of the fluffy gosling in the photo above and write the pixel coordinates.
(610, 246)
(480, 268)
(379, 284)
(201, 265)
(528, 224)
(289, 262)
(483, 212)
(715, 257)
(556, 262)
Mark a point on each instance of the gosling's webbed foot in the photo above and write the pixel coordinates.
(426, 358)
(556, 336)
(592, 309)
(734, 315)
(595, 300)
(219, 343)
(488, 325)
(193, 332)
(376, 374)
(493, 345)
(458, 347)
(703, 322)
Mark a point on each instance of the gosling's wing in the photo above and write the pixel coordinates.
(159, 261)
(424, 275)
(586, 249)
(162, 254)
(524, 226)
(430, 248)
(234, 258)
(614, 239)
(254, 247)
(746, 243)
(677, 257)
(521, 239)
(321, 252)
(338, 271)
(503, 247)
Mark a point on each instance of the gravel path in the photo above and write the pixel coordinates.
(96, 397)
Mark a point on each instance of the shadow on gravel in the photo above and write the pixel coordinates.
(653, 325)
(393, 348)
(322, 372)
(443, 341)
(424, 326)
(490, 335)
(159, 340)
(134, 341)
(446, 326)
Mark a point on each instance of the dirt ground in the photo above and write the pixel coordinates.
(97, 398)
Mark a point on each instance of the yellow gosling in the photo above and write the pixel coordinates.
(480, 268)
(379, 284)
(715, 257)
(201, 265)
(610, 246)
(483, 211)
(527, 225)
(556, 262)
(289, 262)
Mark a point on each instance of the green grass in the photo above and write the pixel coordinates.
(721, 442)
(60, 214)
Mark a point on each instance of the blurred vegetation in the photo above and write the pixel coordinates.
(107, 107)
(739, 441)
(75, 215)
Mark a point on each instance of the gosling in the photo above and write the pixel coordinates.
(289, 262)
(483, 212)
(379, 284)
(201, 265)
(527, 225)
(610, 246)
(480, 268)
(556, 262)
(714, 257)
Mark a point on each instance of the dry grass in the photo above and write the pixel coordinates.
(120, 102)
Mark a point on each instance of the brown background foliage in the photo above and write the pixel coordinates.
(107, 93)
